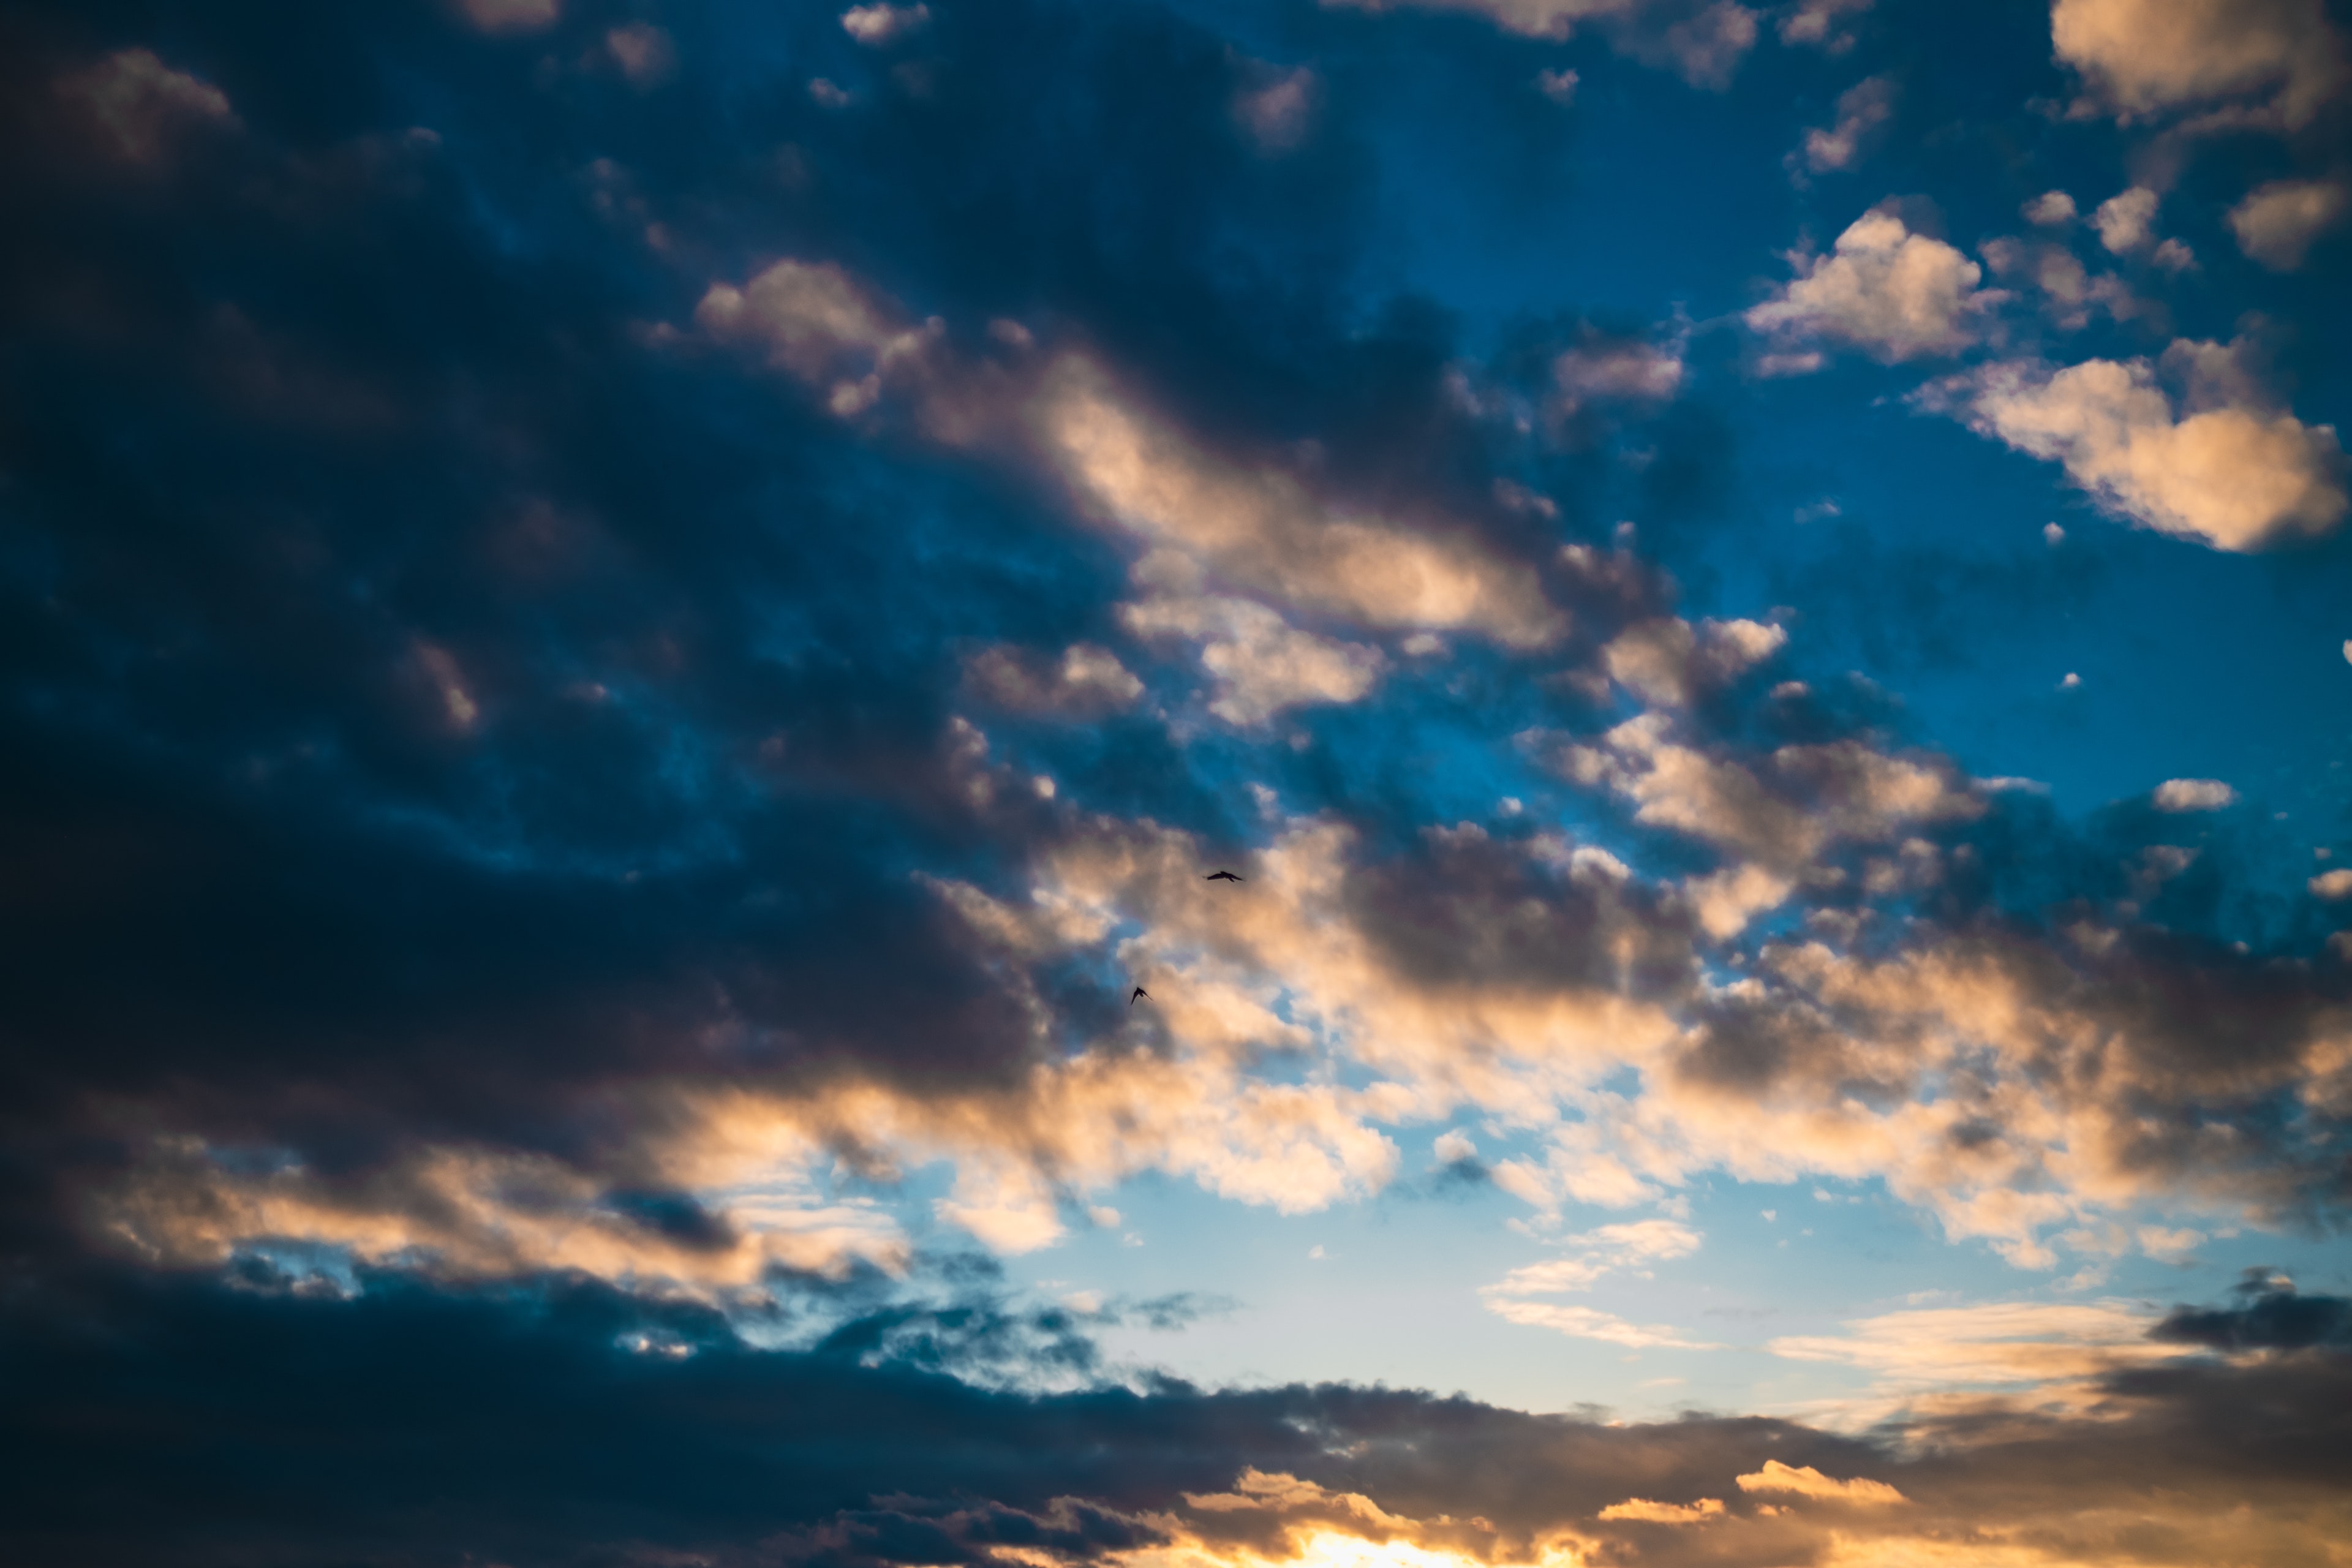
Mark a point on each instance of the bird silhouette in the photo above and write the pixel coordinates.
(1140, 995)
(1220, 877)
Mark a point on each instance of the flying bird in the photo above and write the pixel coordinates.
(1220, 877)
(1140, 995)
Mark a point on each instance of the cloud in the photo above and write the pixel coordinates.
(1668, 662)
(2222, 467)
(1262, 663)
(1263, 528)
(1861, 110)
(1589, 1323)
(1605, 372)
(1883, 288)
(2336, 884)
(2194, 795)
(142, 109)
(1087, 681)
(511, 16)
(2146, 57)
(1278, 110)
(647, 55)
(2050, 1355)
(2277, 222)
(654, 1426)
(2123, 220)
(2051, 209)
(1804, 1480)
(1599, 1252)
(881, 25)
(1647, 1512)
(1703, 40)
(2267, 1316)
(1816, 22)
(1781, 810)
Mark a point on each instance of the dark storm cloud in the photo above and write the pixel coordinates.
(2269, 1315)
(562, 1423)
(442, 700)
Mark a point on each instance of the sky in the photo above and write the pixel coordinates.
(629, 630)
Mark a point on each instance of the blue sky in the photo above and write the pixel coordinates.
(632, 622)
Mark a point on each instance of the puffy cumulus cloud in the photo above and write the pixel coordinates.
(2336, 884)
(141, 109)
(2276, 223)
(1087, 681)
(2068, 290)
(1667, 662)
(1896, 294)
(2051, 209)
(2124, 221)
(2194, 795)
(1260, 529)
(1702, 40)
(2070, 1083)
(824, 328)
(1784, 809)
(880, 24)
(1262, 663)
(1861, 109)
(2221, 465)
(2145, 57)
(1804, 1480)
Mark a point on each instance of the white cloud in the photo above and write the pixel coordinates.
(2276, 223)
(2194, 795)
(1595, 1253)
(143, 107)
(1884, 289)
(2122, 221)
(1454, 1147)
(2141, 57)
(1586, 1324)
(1263, 664)
(877, 24)
(1559, 86)
(1804, 1480)
(1861, 109)
(1667, 662)
(2336, 884)
(2225, 469)
(2051, 209)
